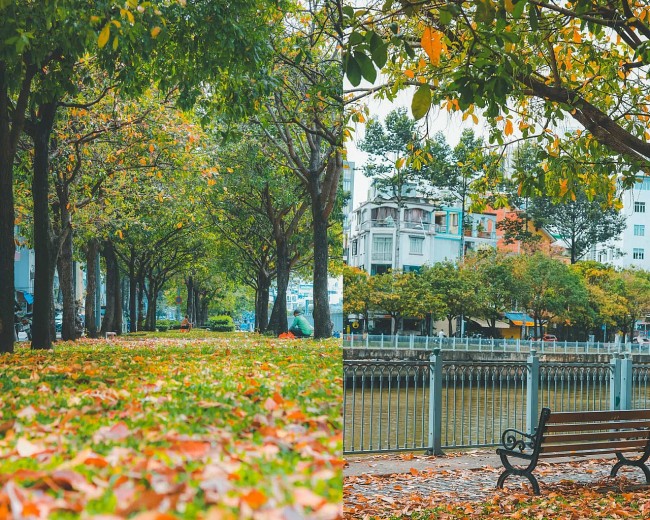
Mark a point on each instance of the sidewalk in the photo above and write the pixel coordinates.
(381, 484)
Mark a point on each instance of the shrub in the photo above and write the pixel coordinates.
(163, 325)
(221, 324)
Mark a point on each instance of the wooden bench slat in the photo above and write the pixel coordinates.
(607, 415)
(613, 425)
(584, 453)
(610, 446)
(596, 436)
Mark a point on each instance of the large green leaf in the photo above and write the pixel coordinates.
(421, 102)
(353, 71)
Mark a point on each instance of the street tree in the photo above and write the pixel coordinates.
(303, 120)
(388, 144)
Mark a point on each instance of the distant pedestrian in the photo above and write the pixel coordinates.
(300, 327)
(441, 333)
(186, 324)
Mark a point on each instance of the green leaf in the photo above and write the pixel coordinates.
(519, 9)
(353, 71)
(380, 54)
(421, 102)
(445, 15)
(367, 66)
(533, 17)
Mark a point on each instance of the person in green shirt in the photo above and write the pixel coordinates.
(300, 327)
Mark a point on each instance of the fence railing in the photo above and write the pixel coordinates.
(411, 341)
(436, 404)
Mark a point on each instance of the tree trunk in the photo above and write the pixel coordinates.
(141, 292)
(262, 301)
(322, 319)
(108, 323)
(92, 277)
(152, 293)
(7, 219)
(43, 257)
(189, 310)
(133, 294)
(119, 310)
(12, 119)
(278, 322)
(64, 268)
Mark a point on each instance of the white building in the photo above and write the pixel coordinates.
(427, 233)
(632, 248)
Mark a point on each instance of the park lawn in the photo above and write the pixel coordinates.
(222, 427)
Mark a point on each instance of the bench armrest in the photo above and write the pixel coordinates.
(510, 442)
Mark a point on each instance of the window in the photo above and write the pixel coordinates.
(639, 230)
(379, 269)
(638, 253)
(639, 207)
(382, 248)
(416, 245)
(354, 247)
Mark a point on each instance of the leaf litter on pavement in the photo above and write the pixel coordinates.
(571, 489)
(154, 429)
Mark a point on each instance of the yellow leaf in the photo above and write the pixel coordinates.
(432, 44)
(155, 32)
(151, 148)
(564, 187)
(509, 6)
(179, 225)
(400, 162)
(409, 73)
(508, 129)
(119, 233)
(577, 37)
(103, 36)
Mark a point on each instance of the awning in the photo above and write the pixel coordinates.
(485, 324)
(520, 318)
(25, 296)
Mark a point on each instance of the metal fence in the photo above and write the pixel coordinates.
(436, 404)
(411, 341)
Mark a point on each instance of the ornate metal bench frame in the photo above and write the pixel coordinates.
(514, 447)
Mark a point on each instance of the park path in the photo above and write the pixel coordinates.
(385, 485)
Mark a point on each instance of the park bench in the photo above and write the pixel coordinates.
(111, 335)
(578, 434)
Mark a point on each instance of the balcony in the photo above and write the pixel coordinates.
(423, 226)
(382, 256)
(488, 235)
(382, 223)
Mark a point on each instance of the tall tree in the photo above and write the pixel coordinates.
(304, 121)
(388, 146)
(579, 223)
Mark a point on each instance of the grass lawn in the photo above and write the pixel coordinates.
(172, 425)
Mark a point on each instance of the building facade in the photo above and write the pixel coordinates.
(632, 248)
(383, 236)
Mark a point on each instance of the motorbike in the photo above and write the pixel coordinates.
(23, 323)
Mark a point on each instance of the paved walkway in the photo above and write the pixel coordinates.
(374, 484)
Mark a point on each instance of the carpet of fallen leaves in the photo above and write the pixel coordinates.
(146, 428)
(575, 489)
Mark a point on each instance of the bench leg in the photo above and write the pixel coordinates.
(623, 461)
(511, 470)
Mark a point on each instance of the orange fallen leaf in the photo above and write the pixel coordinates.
(254, 498)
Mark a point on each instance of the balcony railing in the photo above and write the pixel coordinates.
(382, 256)
(424, 226)
(490, 235)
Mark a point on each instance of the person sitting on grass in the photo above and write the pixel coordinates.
(300, 327)
(186, 324)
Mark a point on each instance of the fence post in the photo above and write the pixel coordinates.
(615, 383)
(412, 341)
(367, 339)
(435, 403)
(382, 340)
(532, 391)
(626, 383)
(352, 340)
